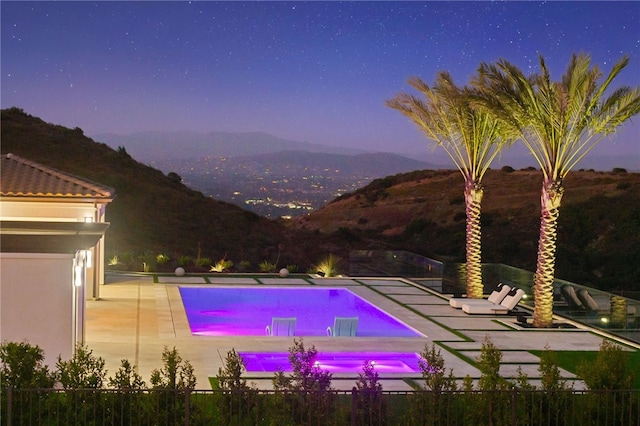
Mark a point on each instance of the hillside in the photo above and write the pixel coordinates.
(152, 212)
(420, 211)
(423, 212)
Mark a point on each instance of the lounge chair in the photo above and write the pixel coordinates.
(587, 301)
(495, 297)
(569, 294)
(281, 327)
(343, 326)
(504, 307)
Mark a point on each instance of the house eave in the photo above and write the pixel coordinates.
(49, 237)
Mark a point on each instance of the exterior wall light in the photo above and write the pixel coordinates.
(88, 256)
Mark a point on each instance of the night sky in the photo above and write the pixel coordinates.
(310, 71)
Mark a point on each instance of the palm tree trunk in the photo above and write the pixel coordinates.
(473, 199)
(550, 199)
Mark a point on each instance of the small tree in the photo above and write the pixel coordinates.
(175, 373)
(434, 403)
(370, 405)
(82, 371)
(310, 399)
(307, 374)
(126, 377)
(433, 370)
(173, 384)
(131, 401)
(489, 365)
(237, 398)
(491, 383)
(550, 372)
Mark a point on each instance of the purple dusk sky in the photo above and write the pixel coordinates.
(318, 72)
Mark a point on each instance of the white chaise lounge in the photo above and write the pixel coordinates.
(495, 297)
(504, 307)
(281, 327)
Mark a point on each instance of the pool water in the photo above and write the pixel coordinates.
(343, 362)
(246, 311)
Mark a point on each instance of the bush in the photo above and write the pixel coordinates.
(243, 266)
(609, 371)
(308, 402)
(237, 400)
(508, 169)
(23, 366)
(184, 260)
(433, 370)
(175, 373)
(328, 267)
(266, 266)
(292, 268)
(623, 185)
(82, 371)
(203, 262)
(126, 378)
(370, 407)
(221, 266)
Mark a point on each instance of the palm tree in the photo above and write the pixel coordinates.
(559, 122)
(471, 138)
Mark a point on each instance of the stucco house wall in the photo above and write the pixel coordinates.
(37, 301)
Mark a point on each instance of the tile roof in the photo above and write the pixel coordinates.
(23, 178)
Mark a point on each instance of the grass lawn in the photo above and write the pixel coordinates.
(570, 360)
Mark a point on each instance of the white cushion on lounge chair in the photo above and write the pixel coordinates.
(507, 304)
(495, 297)
(281, 327)
(343, 326)
(587, 301)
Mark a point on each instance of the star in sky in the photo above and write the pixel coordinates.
(311, 71)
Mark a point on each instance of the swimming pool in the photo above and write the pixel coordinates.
(245, 311)
(336, 362)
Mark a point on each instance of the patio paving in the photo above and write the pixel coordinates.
(135, 319)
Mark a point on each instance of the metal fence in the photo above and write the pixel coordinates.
(356, 407)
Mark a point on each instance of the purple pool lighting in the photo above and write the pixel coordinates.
(246, 311)
(343, 362)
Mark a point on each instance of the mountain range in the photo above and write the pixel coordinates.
(161, 148)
